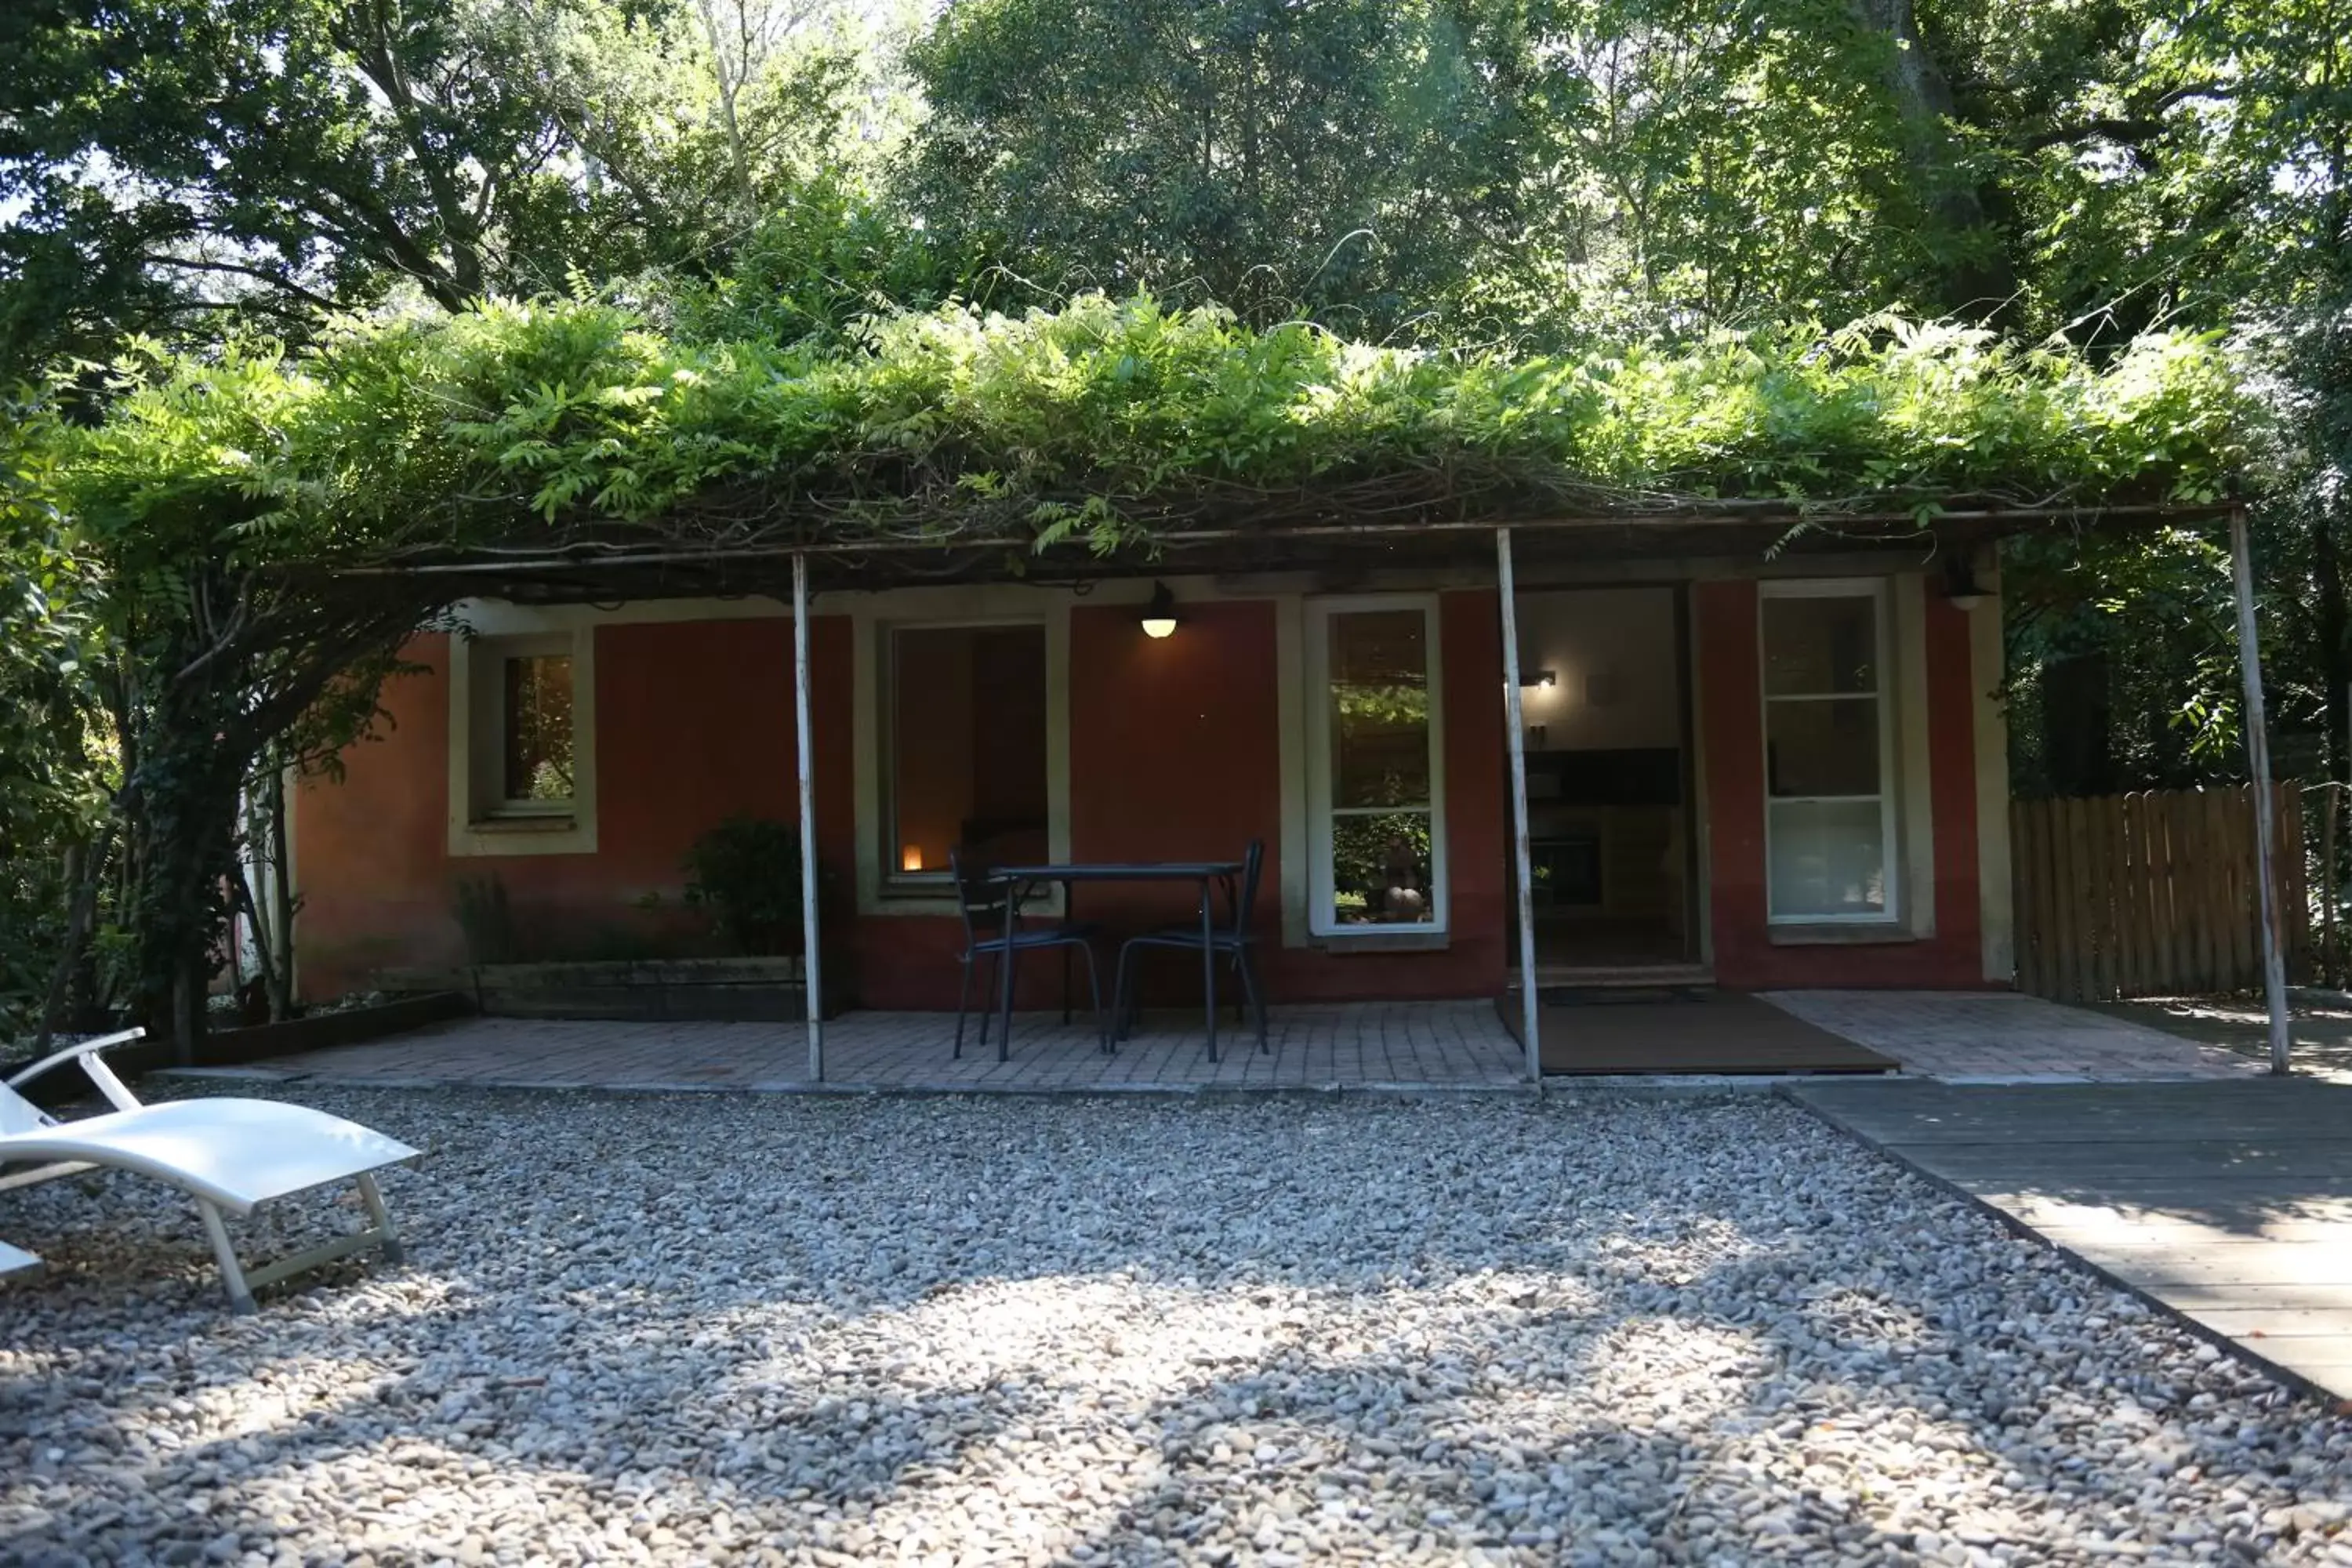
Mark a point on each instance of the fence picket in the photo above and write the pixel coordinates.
(2232, 903)
(2099, 839)
(2131, 896)
(2045, 900)
(2163, 948)
(2023, 936)
(2064, 886)
(2247, 866)
(2296, 906)
(2220, 888)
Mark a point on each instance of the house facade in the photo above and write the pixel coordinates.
(1780, 773)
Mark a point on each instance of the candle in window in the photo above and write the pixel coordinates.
(910, 858)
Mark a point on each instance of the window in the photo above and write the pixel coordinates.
(966, 742)
(535, 718)
(1376, 780)
(522, 755)
(1829, 804)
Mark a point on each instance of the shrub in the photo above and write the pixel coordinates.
(747, 872)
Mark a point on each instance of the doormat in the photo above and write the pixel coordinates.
(1683, 1029)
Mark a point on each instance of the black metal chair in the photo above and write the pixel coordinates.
(1234, 939)
(992, 930)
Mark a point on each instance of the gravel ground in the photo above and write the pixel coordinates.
(1587, 1330)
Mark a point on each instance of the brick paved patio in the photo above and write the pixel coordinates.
(1955, 1037)
(1440, 1045)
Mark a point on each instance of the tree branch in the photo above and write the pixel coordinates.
(379, 61)
(2131, 130)
(275, 280)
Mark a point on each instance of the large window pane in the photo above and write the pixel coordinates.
(1380, 709)
(1829, 859)
(1818, 645)
(1825, 763)
(967, 746)
(537, 724)
(1381, 868)
(1826, 746)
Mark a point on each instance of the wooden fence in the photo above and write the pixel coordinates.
(2145, 895)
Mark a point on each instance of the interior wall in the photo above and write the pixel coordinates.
(1604, 769)
(931, 739)
(1612, 653)
(1008, 736)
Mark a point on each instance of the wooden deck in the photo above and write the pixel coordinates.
(2230, 1203)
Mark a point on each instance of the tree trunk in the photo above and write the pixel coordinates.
(185, 1027)
(2078, 752)
(85, 869)
(1977, 275)
(281, 888)
(730, 78)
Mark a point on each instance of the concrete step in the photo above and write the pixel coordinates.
(1627, 975)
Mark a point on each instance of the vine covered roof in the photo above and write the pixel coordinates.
(581, 430)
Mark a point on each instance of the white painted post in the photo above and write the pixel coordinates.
(811, 959)
(2258, 758)
(1515, 733)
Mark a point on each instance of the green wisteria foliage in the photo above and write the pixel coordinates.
(1105, 420)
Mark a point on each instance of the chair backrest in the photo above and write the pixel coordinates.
(19, 1114)
(980, 900)
(1253, 863)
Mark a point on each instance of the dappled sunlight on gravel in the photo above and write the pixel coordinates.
(700, 1329)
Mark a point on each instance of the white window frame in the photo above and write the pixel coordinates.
(482, 821)
(1322, 920)
(1885, 678)
(936, 882)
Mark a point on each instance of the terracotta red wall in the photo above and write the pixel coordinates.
(1476, 824)
(1730, 711)
(368, 848)
(694, 723)
(1174, 753)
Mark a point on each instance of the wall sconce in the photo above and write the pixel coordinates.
(1160, 615)
(1961, 586)
(1545, 679)
(910, 858)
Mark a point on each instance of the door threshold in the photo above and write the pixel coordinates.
(1627, 974)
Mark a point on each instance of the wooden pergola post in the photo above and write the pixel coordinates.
(811, 959)
(2258, 760)
(1514, 737)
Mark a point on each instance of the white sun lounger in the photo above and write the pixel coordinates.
(228, 1155)
(15, 1261)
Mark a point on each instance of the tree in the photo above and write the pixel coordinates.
(1714, 165)
(176, 165)
(1543, 171)
(1349, 160)
(55, 774)
(2149, 164)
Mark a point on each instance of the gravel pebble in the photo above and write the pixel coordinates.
(768, 1329)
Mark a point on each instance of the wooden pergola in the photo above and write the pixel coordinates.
(623, 564)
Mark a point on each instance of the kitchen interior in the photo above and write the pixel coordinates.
(1608, 823)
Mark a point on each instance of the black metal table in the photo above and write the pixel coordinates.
(1203, 872)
